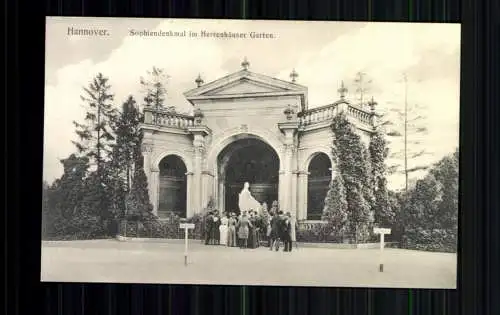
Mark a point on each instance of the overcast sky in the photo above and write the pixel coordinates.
(323, 54)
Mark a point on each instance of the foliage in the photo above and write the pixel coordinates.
(335, 210)
(95, 134)
(446, 172)
(435, 240)
(71, 207)
(423, 202)
(430, 213)
(353, 166)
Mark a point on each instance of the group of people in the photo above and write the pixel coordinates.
(253, 225)
(250, 229)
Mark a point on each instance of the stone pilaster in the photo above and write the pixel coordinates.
(154, 188)
(147, 150)
(207, 183)
(302, 195)
(289, 155)
(189, 193)
(199, 133)
(221, 194)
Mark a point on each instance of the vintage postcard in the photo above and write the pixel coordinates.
(251, 152)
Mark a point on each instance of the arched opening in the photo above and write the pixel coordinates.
(320, 175)
(247, 160)
(173, 186)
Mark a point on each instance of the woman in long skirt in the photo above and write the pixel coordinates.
(231, 241)
(223, 229)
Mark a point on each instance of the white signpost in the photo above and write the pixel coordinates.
(382, 233)
(186, 227)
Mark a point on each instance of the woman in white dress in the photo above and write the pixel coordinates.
(223, 229)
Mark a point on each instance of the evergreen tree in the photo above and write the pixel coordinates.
(127, 140)
(351, 155)
(138, 201)
(383, 207)
(383, 212)
(335, 210)
(123, 156)
(95, 133)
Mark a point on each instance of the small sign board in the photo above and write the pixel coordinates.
(381, 231)
(186, 226)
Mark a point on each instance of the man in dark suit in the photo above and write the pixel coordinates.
(209, 225)
(215, 228)
(287, 237)
(274, 236)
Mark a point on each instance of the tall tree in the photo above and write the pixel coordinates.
(351, 155)
(408, 124)
(128, 139)
(126, 156)
(362, 86)
(95, 133)
(154, 88)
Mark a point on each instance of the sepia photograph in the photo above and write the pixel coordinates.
(251, 152)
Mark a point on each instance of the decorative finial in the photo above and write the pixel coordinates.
(372, 105)
(245, 64)
(289, 112)
(198, 116)
(199, 80)
(294, 75)
(342, 90)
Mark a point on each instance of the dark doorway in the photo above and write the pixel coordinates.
(318, 182)
(173, 186)
(252, 161)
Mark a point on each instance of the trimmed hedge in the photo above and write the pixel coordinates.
(79, 227)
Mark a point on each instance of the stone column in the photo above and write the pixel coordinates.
(302, 195)
(154, 188)
(189, 194)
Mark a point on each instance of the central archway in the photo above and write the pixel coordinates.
(247, 160)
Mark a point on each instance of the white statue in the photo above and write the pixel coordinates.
(246, 201)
